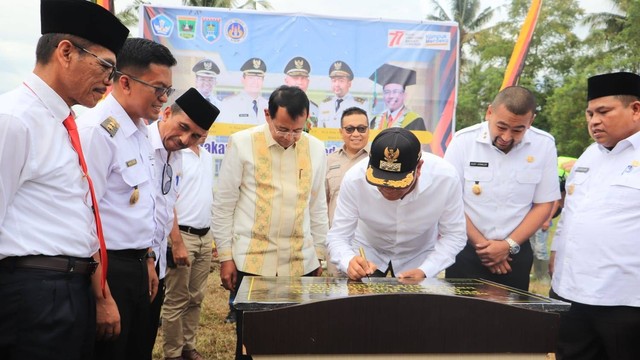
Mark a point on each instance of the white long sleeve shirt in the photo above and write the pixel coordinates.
(425, 230)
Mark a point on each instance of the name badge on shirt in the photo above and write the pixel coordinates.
(479, 164)
(131, 162)
(582, 169)
(333, 167)
(243, 115)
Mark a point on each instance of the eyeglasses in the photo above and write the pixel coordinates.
(167, 172)
(105, 64)
(159, 91)
(361, 129)
(294, 133)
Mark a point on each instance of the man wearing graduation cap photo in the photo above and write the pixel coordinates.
(403, 207)
(52, 289)
(394, 81)
(206, 72)
(247, 106)
(297, 73)
(597, 267)
(332, 107)
(183, 124)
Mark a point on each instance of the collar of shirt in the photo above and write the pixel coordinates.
(343, 152)
(128, 126)
(395, 113)
(54, 103)
(633, 140)
(484, 136)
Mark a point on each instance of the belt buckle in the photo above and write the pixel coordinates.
(92, 266)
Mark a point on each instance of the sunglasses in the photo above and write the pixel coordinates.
(159, 91)
(167, 173)
(361, 129)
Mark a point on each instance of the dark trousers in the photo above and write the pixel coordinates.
(590, 332)
(154, 316)
(128, 279)
(240, 320)
(469, 266)
(46, 315)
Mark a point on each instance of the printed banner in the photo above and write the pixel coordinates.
(401, 73)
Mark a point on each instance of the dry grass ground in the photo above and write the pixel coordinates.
(216, 340)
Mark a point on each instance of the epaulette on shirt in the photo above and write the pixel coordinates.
(359, 99)
(111, 125)
(542, 132)
(468, 129)
(328, 98)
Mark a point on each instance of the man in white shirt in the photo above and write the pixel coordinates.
(507, 171)
(247, 106)
(331, 108)
(50, 297)
(119, 158)
(183, 124)
(270, 209)
(186, 285)
(409, 223)
(597, 266)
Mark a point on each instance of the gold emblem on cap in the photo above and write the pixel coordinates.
(571, 189)
(476, 189)
(207, 65)
(337, 65)
(390, 157)
(299, 63)
(530, 159)
(257, 63)
(635, 163)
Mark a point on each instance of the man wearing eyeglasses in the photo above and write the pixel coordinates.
(206, 72)
(50, 297)
(270, 209)
(120, 160)
(394, 81)
(183, 124)
(354, 129)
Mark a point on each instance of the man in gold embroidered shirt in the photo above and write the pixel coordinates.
(270, 208)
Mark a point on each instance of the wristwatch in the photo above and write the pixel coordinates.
(514, 248)
(151, 255)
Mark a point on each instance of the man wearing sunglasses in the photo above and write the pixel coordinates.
(270, 209)
(354, 130)
(50, 296)
(183, 124)
(409, 222)
(119, 158)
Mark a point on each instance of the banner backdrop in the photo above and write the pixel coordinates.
(237, 58)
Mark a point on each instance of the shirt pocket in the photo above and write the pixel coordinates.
(477, 182)
(624, 192)
(334, 178)
(526, 182)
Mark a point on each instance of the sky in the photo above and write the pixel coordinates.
(20, 23)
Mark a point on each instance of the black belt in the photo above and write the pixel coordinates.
(66, 264)
(128, 253)
(194, 231)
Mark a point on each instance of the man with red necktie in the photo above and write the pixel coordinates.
(50, 297)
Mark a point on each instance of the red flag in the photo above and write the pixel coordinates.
(520, 50)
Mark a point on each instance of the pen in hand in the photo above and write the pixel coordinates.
(365, 259)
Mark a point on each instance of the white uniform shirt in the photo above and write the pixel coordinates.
(425, 230)
(598, 256)
(509, 183)
(238, 109)
(196, 189)
(271, 217)
(45, 205)
(328, 117)
(164, 203)
(117, 165)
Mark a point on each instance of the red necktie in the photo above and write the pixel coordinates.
(70, 124)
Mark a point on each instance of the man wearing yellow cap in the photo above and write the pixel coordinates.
(597, 261)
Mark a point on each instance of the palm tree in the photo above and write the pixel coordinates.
(606, 25)
(468, 16)
(231, 4)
